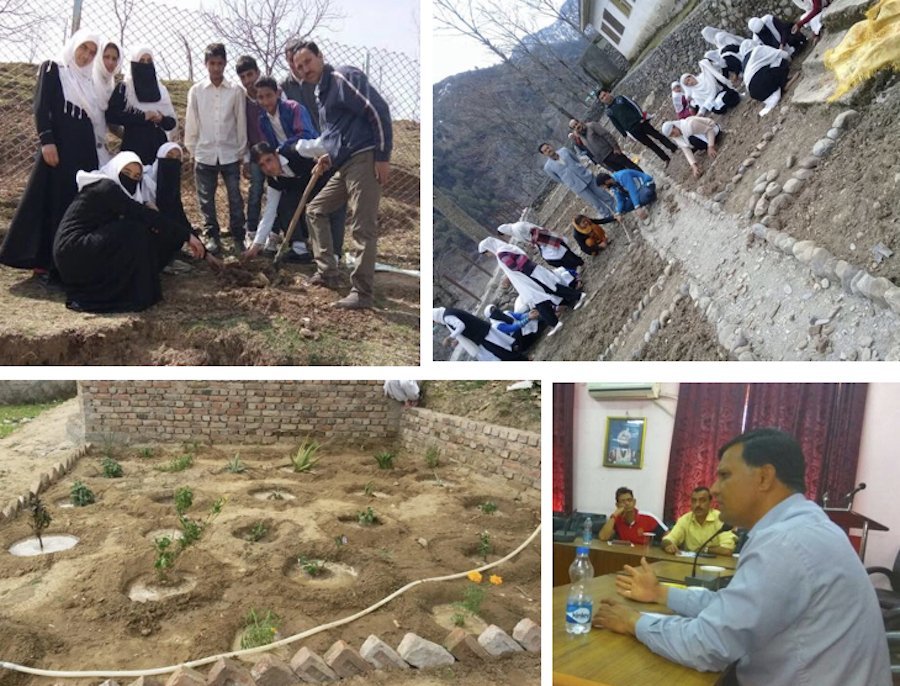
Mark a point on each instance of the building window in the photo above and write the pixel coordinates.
(610, 34)
(613, 22)
(623, 6)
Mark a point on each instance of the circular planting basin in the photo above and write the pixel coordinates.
(357, 489)
(53, 543)
(276, 495)
(174, 534)
(143, 590)
(334, 575)
(252, 534)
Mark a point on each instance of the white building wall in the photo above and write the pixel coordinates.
(639, 26)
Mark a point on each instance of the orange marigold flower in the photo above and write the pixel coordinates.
(474, 577)
(496, 580)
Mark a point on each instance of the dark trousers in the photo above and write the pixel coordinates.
(548, 313)
(617, 161)
(644, 131)
(502, 353)
(731, 99)
(569, 260)
(207, 179)
(768, 80)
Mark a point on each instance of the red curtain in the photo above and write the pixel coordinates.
(827, 420)
(707, 416)
(563, 436)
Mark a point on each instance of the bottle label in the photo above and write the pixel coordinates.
(579, 613)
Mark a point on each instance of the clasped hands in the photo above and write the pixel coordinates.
(636, 583)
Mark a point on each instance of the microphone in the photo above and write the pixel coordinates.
(725, 527)
(856, 490)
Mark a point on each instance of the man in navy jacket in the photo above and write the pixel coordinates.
(356, 133)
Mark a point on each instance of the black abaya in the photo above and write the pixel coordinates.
(110, 250)
(142, 136)
(50, 190)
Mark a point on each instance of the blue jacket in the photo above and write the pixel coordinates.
(297, 125)
(353, 116)
(626, 193)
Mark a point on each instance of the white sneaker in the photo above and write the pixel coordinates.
(580, 301)
(554, 329)
(248, 239)
(272, 243)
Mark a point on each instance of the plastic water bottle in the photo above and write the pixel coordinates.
(588, 532)
(579, 610)
(581, 570)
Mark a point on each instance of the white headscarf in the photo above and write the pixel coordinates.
(757, 24)
(151, 171)
(401, 390)
(525, 285)
(470, 346)
(77, 82)
(709, 34)
(709, 83)
(715, 58)
(104, 82)
(163, 105)
(724, 38)
(519, 230)
(760, 56)
(667, 127)
(677, 98)
(111, 171)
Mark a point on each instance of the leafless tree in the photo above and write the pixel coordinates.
(262, 28)
(18, 20)
(122, 9)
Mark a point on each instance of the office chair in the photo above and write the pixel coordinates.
(888, 598)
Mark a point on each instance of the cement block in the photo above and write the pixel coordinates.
(463, 646)
(380, 655)
(147, 681)
(528, 634)
(184, 676)
(311, 668)
(229, 672)
(345, 661)
(271, 671)
(422, 653)
(497, 642)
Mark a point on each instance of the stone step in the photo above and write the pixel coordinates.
(817, 82)
(840, 15)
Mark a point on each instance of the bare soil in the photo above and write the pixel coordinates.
(487, 401)
(70, 610)
(687, 336)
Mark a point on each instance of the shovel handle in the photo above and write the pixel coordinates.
(286, 243)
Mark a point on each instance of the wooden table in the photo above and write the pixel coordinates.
(604, 658)
(609, 558)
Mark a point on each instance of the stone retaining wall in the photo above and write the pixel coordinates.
(28, 392)
(237, 411)
(489, 449)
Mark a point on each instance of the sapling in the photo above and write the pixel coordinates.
(369, 489)
(258, 532)
(484, 544)
(40, 518)
(259, 629)
(81, 495)
(432, 457)
(488, 507)
(340, 540)
(184, 498)
(470, 605)
(310, 566)
(111, 468)
(305, 459)
(168, 550)
(146, 452)
(178, 464)
(235, 466)
(385, 459)
(367, 517)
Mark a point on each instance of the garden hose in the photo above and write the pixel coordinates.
(135, 673)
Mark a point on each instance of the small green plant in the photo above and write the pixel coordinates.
(275, 495)
(146, 452)
(81, 495)
(385, 459)
(340, 540)
(484, 545)
(259, 629)
(258, 532)
(312, 567)
(184, 498)
(458, 618)
(235, 466)
(488, 507)
(470, 605)
(178, 464)
(111, 469)
(165, 556)
(190, 447)
(367, 517)
(40, 518)
(305, 459)
(432, 457)
(369, 489)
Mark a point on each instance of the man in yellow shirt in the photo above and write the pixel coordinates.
(694, 528)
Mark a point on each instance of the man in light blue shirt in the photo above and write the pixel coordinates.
(800, 608)
(564, 168)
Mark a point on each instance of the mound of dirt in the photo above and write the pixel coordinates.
(687, 336)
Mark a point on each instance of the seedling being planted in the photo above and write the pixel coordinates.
(258, 532)
(168, 550)
(81, 495)
(385, 459)
(484, 545)
(184, 498)
(312, 567)
(235, 466)
(305, 459)
(177, 464)
(432, 457)
(488, 507)
(40, 518)
(259, 629)
(111, 468)
(367, 517)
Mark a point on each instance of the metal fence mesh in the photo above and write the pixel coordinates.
(31, 32)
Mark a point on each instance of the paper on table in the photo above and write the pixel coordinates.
(685, 553)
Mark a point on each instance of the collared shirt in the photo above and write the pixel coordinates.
(568, 171)
(689, 534)
(273, 197)
(800, 609)
(215, 131)
(277, 127)
(634, 532)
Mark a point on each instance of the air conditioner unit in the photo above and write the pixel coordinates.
(623, 391)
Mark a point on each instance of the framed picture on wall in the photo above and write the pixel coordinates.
(624, 446)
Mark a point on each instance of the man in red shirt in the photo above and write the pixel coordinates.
(627, 523)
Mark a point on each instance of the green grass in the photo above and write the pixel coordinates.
(11, 416)
(385, 459)
(177, 464)
(259, 629)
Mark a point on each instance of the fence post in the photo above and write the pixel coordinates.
(76, 15)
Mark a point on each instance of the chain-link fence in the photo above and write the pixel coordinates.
(31, 32)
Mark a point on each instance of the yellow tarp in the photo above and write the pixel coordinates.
(869, 46)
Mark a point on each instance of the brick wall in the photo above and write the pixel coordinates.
(237, 411)
(486, 448)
